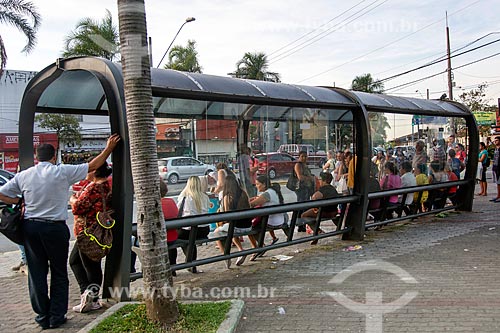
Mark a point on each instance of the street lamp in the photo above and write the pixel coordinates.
(189, 19)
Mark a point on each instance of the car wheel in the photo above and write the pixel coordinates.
(208, 171)
(272, 174)
(173, 179)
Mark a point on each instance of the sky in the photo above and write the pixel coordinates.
(381, 37)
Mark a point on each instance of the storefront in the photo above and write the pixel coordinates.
(9, 148)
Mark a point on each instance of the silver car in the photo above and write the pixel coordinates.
(173, 169)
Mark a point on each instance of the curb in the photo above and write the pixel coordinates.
(233, 317)
(227, 326)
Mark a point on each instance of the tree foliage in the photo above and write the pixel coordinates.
(255, 66)
(378, 121)
(184, 58)
(93, 38)
(23, 16)
(366, 83)
(66, 126)
(476, 101)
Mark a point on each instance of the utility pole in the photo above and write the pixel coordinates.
(450, 78)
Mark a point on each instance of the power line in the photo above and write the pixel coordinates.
(313, 40)
(310, 32)
(453, 51)
(433, 63)
(430, 76)
(386, 45)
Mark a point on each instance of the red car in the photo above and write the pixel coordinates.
(275, 164)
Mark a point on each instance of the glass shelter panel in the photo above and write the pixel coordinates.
(254, 142)
(421, 146)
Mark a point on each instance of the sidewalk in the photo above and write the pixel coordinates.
(454, 260)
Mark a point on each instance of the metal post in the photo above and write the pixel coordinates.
(450, 79)
(189, 19)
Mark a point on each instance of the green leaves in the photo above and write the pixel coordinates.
(23, 16)
(255, 66)
(66, 126)
(184, 59)
(93, 38)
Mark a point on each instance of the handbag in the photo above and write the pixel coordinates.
(293, 182)
(342, 186)
(11, 223)
(96, 240)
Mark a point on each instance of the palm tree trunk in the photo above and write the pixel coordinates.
(160, 303)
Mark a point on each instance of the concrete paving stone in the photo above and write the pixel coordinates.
(454, 260)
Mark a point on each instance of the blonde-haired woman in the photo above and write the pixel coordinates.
(193, 201)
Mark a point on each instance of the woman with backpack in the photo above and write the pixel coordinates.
(485, 163)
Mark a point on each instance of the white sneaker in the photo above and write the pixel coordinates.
(86, 300)
(93, 306)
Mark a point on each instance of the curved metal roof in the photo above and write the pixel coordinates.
(374, 102)
(78, 88)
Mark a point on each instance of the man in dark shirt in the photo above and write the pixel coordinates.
(325, 191)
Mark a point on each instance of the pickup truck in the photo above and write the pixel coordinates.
(317, 158)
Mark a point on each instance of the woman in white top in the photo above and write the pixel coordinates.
(193, 201)
(269, 195)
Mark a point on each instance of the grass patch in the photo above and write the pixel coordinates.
(193, 317)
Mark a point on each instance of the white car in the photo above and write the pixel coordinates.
(173, 169)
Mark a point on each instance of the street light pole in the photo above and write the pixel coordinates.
(189, 19)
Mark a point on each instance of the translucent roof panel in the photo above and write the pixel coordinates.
(195, 82)
(79, 90)
(395, 103)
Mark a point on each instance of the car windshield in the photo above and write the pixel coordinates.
(162, 163)
(262, 158)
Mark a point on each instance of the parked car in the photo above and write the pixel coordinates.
(173, 169)
(275, 164)
(5, 176)
(317, 158)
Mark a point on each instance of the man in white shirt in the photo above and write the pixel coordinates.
(44, 188)
(407, 180)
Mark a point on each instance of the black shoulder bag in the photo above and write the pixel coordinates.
(11, 223)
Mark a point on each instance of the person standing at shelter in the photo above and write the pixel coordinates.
(437, 152)
(254, 167)
(484, 160)
(46, 236)
(460, 153)
(244, 163)
(420, 158)
(307, 181)
(496, 168)
(329, 165)
(452, 144)
(85, 205)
